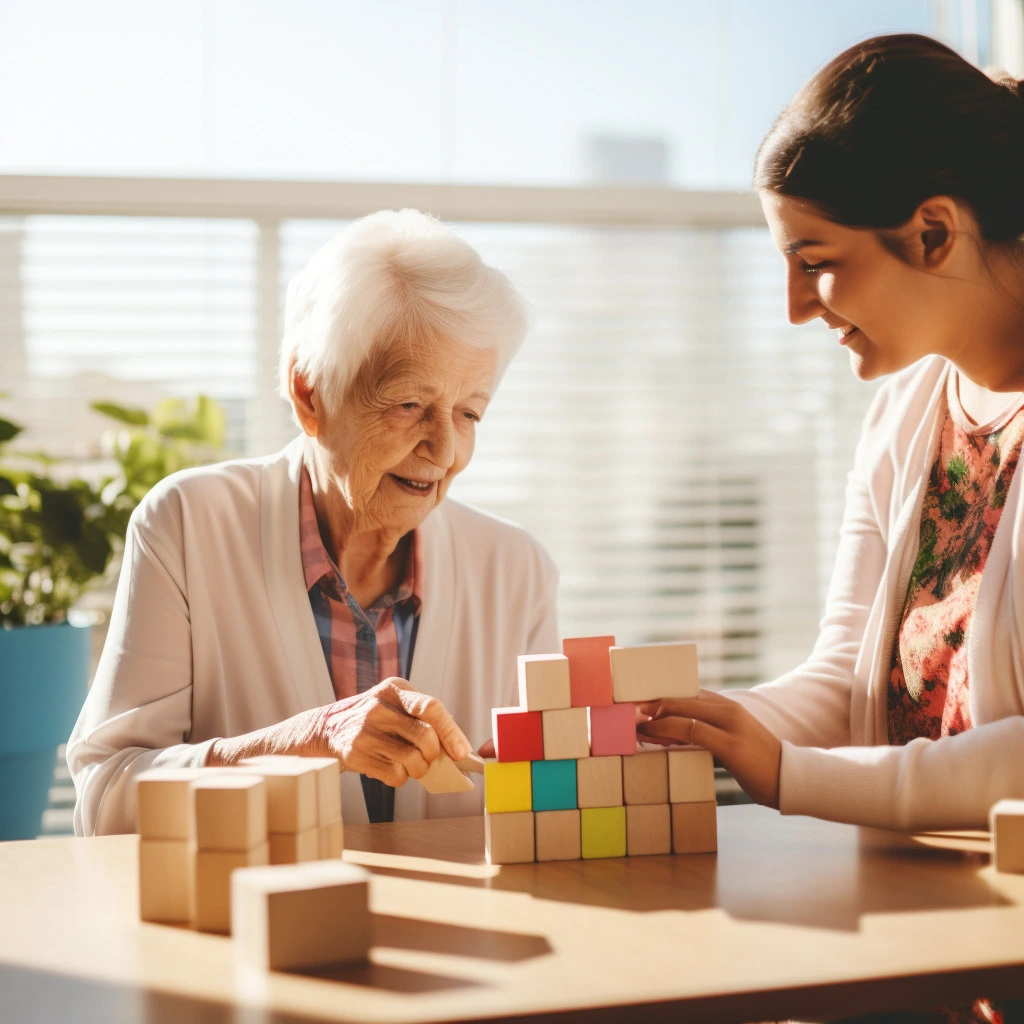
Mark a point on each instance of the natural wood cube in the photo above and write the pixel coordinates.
(332, 840)
(1006, 820)
(691, 776)
(645, 778)
(230, 811)
(508, 786)
(603, 832)
(590, 670)
(599, 782)
(518, 734)
(508, 838)
(212, 884)
(654, 671)
(648, 829)
(328, 780)
(165, 802)
(566, 734)
(443, 776)
(557, 835)
(292, 791)
(544, 682)
(294, 847)
(695, 828)
(165, 880)
(613, 730)
(313, 915)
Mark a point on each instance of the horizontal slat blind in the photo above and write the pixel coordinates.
(679, 449)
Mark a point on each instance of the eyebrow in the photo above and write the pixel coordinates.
(482, 395)
(794, 247)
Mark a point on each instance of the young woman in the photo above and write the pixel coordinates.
(892, 186)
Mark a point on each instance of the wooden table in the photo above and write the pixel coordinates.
(794, 917)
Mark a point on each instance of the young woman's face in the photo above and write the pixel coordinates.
(887, 313)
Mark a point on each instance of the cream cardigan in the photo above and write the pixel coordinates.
(212, 634)
(831, 712)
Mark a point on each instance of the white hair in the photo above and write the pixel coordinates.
(389, 277)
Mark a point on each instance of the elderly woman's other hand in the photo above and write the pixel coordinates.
(391, 732)
(733, 735)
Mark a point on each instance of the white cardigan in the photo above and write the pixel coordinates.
(212, 633)
(831, 712)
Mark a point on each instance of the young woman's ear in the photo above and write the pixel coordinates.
(928, 238)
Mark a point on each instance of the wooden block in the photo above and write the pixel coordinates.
(613, 730)
(599, 782)
(165, 880)
(444, 777)
(518, 734)
(471, 764)
(653, 671)
(645, 778)
(648, 829)
(1006, 819)
(557, 835)
(603, 832)
(566, 734)
(508, 838)
(165, 803)
(313, 915)
(292, 791)
(294, 847)
(332, 840)
(695, 828)
(507, 787)
(590, 670)
(544, 682)
(554, 785)
(230, 811)
(212, 884)
(691, 776)
(328, 781)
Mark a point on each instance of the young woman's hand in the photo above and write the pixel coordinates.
(732, 734)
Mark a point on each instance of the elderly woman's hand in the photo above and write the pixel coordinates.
(732, 734)
(391, 732)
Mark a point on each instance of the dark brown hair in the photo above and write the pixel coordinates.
(892, 122)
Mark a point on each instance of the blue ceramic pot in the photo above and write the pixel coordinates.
(44, 675)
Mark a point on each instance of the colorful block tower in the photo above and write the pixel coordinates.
(569, 783)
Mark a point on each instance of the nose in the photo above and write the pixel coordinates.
(440, 441)
(802, 301)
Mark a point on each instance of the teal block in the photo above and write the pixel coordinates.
(554, 785)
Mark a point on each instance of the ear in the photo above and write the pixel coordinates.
(304, 401)
(931, 234)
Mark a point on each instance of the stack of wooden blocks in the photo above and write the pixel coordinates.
(569, 781)
(200, 827)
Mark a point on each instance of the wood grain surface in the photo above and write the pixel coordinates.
(793, 917)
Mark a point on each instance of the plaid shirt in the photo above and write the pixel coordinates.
(362, 646)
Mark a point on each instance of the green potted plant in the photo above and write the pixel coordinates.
(60, 531)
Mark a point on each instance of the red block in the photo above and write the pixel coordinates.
(518, 734)
(590, 670)
(613, 730)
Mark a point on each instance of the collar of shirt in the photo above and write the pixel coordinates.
(319, 569)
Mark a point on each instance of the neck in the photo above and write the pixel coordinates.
(371, 559)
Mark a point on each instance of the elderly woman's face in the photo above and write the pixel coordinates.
(407, 427)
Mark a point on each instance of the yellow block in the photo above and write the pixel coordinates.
(603, 832)
(507, 786)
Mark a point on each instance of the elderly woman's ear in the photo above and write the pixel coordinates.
(304, 401)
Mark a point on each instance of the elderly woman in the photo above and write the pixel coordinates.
(330, 599)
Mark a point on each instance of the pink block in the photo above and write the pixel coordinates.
(613, 730)
(590, 670)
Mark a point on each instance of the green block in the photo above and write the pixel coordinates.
(507, 787)
(554, 785)
(603, 832)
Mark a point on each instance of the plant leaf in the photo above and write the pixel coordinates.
(123, 414)
(8, 430)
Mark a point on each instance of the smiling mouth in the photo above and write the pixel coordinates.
(413, 486)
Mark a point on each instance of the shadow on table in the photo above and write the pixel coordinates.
(456, 940)
(803, 872)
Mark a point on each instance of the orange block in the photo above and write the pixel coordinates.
(590, 670)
